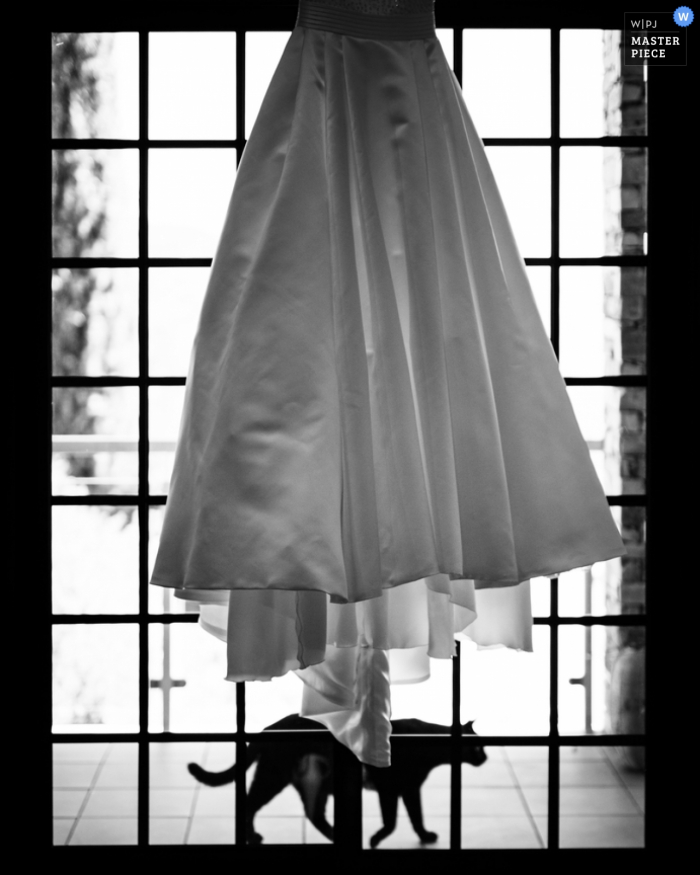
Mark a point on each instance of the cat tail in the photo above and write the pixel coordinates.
(218, 779)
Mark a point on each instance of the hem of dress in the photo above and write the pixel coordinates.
(486, 582)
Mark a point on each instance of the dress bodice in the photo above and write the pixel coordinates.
(378, 7)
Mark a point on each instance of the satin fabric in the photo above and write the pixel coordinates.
(375, 434)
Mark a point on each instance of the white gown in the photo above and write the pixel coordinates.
(377, 450)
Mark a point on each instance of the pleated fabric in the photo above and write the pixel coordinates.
(377, 449)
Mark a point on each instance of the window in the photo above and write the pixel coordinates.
(127, 255)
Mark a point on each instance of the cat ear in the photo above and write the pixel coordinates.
(469, 727)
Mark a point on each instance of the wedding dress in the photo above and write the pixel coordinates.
(377, 450)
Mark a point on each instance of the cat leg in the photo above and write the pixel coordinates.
(311, 778)
(412, 801)
(268, 781)
(389, 803)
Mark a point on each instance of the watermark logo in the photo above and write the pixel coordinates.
(683, 16)
(657, 39)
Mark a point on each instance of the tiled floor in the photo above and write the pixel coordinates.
(504, 801)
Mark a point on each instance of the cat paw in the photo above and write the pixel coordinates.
(374, 841)
(255, 838)
(429, 838)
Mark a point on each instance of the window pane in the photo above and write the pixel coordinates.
(95, 560)
(262, 55)
(165, 412)
(447, 42)
(541, 283)
(95, 678)
(192, 86)
(95, 203)
(161, 599)
(95, 443)
(189, 191)
(506, 81)
(598, 799)
(613, 423)
(602, 321)
(616, 586)
(523, 178)
(205, 702)
(175, 301)
(502, 807)
(601, 680)
(95, 322)
(183, 811)
(603, 201)
(95, 794)
(599, 95)
(95, 89)
(505, 691)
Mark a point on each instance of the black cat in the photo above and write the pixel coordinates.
(308, 766)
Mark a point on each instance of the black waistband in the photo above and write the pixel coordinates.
(416, 25)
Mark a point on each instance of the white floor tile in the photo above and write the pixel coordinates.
(216, 802)
(527, 754)
(582, 800)
(61, 829)
(584, 753)
(212, 831)
(499, 832)
(73, 775)
(171, 803)
(166, 773)
(496, 802)
(167, 830)
(105, 831)
(639, 795)
(118, 775)
(111, 803)
(589, 773)
(601, 832)
(491, 774)
(531, 773)
(79, 753)
(123, 752)
(66, 803)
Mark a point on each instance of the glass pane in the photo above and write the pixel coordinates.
(188, 691)
(95, 443)
(164, 411)
(160, 598)
(506, 692)
(175, 301)
(95, 322)
(600, 96)
(506, 81)
(523, 177)
(182, 810)
(541, 283)
(95, 794)
(602, 321)
(189, 191)
(95, 678)
(382, 785)
(269, 702)
(447, 42)
(601, 680)
(95, 196)
(263, 50)
(95, 560)
(192, 86)
(613, 423)
(614, 587)
(502, 799)
(540, 596)
(95, 85)
(603, 201)
(601, 801)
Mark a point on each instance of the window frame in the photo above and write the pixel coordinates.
(661, 263)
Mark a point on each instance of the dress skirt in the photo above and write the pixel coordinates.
(377, 449)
